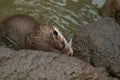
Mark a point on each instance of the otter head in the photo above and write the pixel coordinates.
(48, 38)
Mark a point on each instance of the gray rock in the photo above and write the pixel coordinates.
(111, 8)
(99, 44)
(38, 65)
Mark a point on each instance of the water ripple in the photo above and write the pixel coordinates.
(68, 15)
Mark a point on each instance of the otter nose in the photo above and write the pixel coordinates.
(70, 54)
(69, 51)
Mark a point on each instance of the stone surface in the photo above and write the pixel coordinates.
(38, 65)
(99, 44)
(111, 8)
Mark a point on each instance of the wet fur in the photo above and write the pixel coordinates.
(27, 33)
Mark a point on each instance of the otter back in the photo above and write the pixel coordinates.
(16, 27)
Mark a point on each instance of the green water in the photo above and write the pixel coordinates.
(68, 15)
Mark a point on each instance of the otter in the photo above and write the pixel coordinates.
(27, 33)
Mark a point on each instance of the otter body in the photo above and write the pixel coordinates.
(16, 27)
(27, 33)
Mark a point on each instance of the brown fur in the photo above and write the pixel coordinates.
(27, 33)
(16, 27)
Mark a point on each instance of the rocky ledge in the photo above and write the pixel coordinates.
(38, 65)
(99, 44)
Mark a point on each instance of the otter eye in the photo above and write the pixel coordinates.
(55, 33)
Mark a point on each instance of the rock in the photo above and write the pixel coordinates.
(38, 65)
(99, 44)
(111, 8)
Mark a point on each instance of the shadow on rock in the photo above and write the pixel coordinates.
(99, 44)
(111, 8)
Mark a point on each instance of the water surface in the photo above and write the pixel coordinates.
(68, 15)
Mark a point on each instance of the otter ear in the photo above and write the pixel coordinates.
(55, 33)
